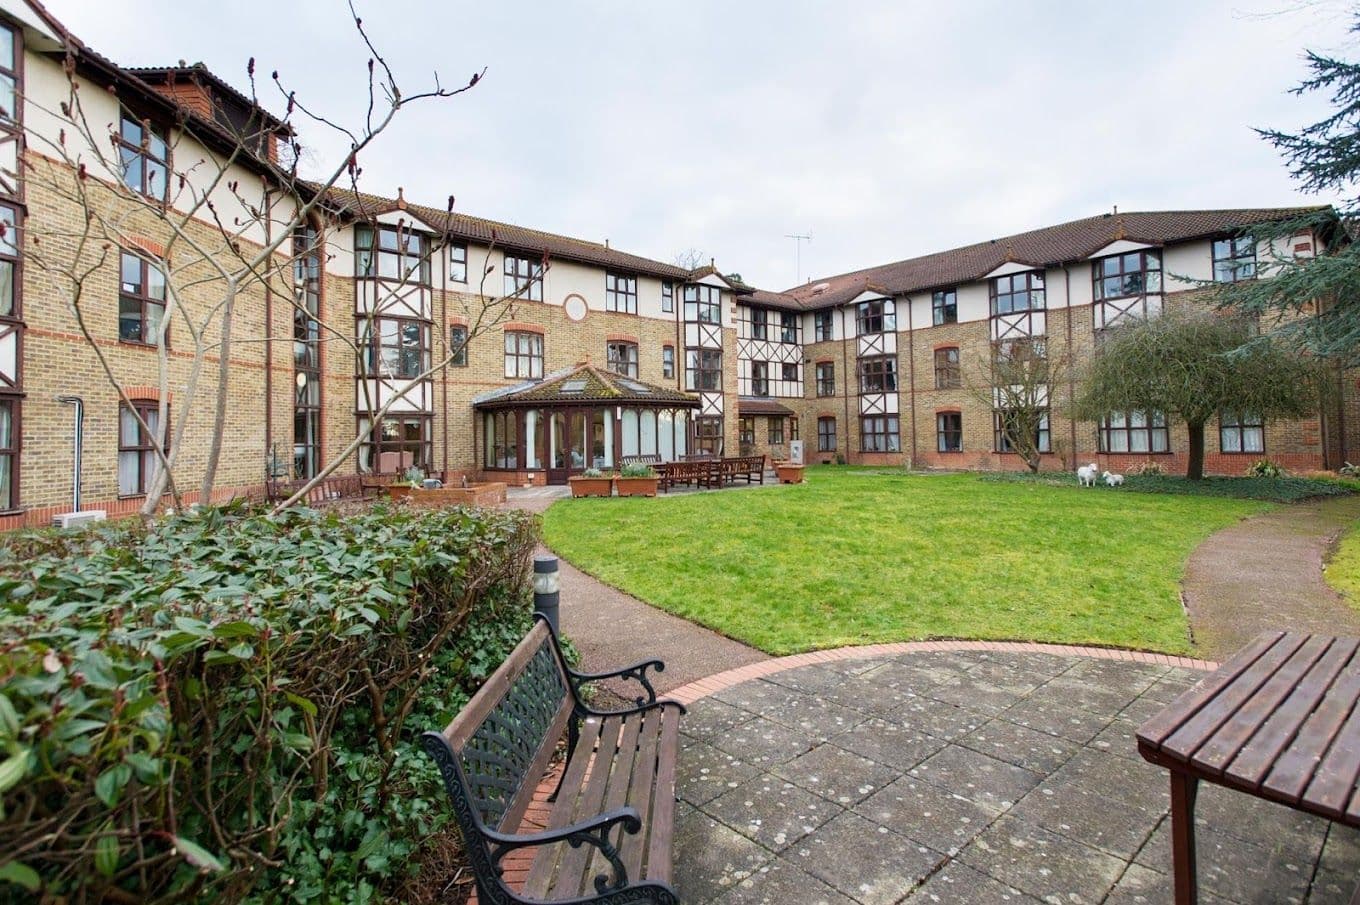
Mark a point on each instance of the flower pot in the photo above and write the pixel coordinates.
(399, 492)
(789, 474)
(636, 486)
(582, 486)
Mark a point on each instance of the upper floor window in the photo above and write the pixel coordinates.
(9, 74)
(668, 362)
(523, 354)
(1134, 432)
(667, 296)
(788, 327)
(398, 348)
(949, 432)
(878, 316)
(826, 378)
(391, 253)
(138, 459)
(760, 378)
(703, 369)
(1120, 276)
(826, 434)
(1241, 432)
(822, 331)
(947, 373)
(878, 374)
(141, 300)
(458, 255)
(760, 323)
(620, 293)
(524, 278)
(622, 358)
(1018, 292)
(789, 372)
(458, 343)
(1234, 259)
(703, 304)
(145, 158)
(944, 307)
(10, 292)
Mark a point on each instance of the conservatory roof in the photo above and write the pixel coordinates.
(584, 383)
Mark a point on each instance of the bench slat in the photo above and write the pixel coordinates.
(545, 860)
(585, 802)
(621, 768)
(1294, 770)
(642, 790)
(663, 816)
(1333, 784)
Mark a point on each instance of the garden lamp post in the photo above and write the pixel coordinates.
(547, 588)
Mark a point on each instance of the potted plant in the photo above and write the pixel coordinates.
(636, 480)
(412, 479)
(788, 473)
(592, 482)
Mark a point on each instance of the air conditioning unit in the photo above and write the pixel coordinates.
(76, 519)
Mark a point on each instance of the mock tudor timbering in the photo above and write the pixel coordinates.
(878, 366)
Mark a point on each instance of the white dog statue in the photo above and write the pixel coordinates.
(1113, 480)
(1086, 475)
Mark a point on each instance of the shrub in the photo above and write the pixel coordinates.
(592, 473)
(1264, 468)
(415, 475)
(222, 705)
(637, 470)
(1149, 469)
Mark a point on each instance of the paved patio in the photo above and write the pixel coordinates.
(967, 777)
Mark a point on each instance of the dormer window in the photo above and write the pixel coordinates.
(391, 253)
(702, 304)
(877, 316)
(144, 158)
(1122, 276)
(1234, 259)
(1018, 292)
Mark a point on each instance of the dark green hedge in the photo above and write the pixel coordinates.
(223, 705)
(1283, 489)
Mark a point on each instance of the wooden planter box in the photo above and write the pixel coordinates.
(488, 494)
(591, 486)
(636, 486)
(789, 474)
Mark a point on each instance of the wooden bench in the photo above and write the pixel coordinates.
(329, 490)
(749, 468)
(700, 473)
(608, 838)
(649, 459)
(1279, 721)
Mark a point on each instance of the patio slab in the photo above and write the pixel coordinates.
(967, 776)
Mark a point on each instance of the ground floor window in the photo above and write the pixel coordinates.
(399, 442)
(502, 440)
(793, 429)
(1241, 432)
(9, 453)
(708, 435)
(746, 432)
(648, 432)
(826, 434)
(579, 438)
(138, 460)
(878, 433)
(949, 432)
(1004, 426)
(1134, 432)
(776, 429)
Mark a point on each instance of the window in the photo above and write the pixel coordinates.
(949, 432)
(746, 430)
(1003, 425)
(458, 343)
(878, 374)
(667, 296)
(144, 157)
(1234, 259)
(876, 317)
(9, 258)
(944, 307)
(703, 369)
(788, 327)
(668, 362)
(141, 301)
(523, 354)
(703, 304)
(947, 373)
(524, 278)
(760, 378)
(501, 430)
(826, 378)
(1120, 276)
(391, 253)
(400, 442)
(9, 453)
(826, 434)
(1134, 432)
(620, 293)
(1017, 292)
(878, 433)
(760, 323)
(137, 458)
(397, 348)
(622, 358)
(822, 330)
(708, 438)
(9, 77)
(776, 429)
(788, 372)
(307, 353)
(793, 427)
(1241, 432)
(458, 252)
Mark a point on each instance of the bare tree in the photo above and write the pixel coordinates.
(690, 259)
(1016, 382)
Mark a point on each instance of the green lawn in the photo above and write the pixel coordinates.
(1343, 570)
(857, 556)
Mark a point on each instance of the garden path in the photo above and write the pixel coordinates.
(1264, 573)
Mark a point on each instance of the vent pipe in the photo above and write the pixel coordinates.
(78, 443)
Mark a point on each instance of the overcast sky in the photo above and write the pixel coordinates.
(883, 129)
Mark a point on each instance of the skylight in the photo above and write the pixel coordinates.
(574, 386)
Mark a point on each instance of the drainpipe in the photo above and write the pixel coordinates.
(1071, 363)
(78, 443)
(845, 381)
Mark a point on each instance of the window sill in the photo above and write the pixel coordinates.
(1132, 453)
(1243, 452)
(138, 344)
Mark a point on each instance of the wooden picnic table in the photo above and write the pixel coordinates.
(1278, 720)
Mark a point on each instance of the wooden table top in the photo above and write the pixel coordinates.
(1278, 720)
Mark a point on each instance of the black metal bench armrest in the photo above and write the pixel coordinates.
(661, 704)
(637, 672)
(593, 832)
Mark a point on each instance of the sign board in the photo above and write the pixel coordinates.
(796, 452)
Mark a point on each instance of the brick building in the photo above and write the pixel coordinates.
(364, 301)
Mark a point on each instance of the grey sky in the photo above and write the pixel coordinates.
(885, 129)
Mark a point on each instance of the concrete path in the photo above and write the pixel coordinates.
(1266, 573)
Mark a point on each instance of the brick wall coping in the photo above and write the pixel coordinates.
(702, 688)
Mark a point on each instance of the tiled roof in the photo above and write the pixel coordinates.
(585, 383)
(506, 235)
(750, 295)
(1049, 246)
(760, 405)
(199, 71)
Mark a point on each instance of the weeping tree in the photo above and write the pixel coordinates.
(1191, 365)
